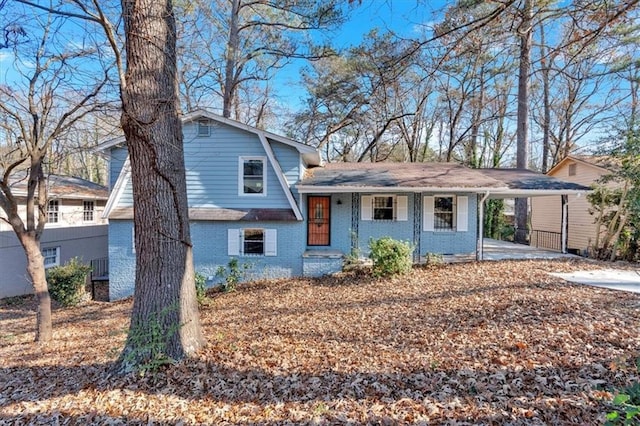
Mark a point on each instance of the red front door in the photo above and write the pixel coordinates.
(319, 223)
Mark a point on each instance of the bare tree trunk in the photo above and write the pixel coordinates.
(231, 60)
(37, 275)
(522, 155)
(164, 282)
(545, 101)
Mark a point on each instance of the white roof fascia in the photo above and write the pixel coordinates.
(280, 175)
(118, 188)
(109, 144)
(306, 189)
(519, 193)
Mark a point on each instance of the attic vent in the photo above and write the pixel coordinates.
(572, 169)
(204, 128)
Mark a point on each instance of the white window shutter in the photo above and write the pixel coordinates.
(428, 206)
(233, 242)
(402, 208)
(462, 206)
(270, 242)
(366, 207)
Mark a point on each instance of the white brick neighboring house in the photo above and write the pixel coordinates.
(75, 229)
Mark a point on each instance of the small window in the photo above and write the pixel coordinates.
(51, 257)
(204, 129)
(383, 208)
(253, 181)
(572, 169)
(444, 213)
(253, 241)
(88, 208)
(53, 211)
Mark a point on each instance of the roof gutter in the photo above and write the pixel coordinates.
(307, 189)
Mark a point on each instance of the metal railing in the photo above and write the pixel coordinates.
(99, 273)
(546, 239)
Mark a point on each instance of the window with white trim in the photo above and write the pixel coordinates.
(445, 213)
(572, 169)
(252, 242)
(88, 209)
(51, 257)
(252, 176)
(384, 207)
(53, 211)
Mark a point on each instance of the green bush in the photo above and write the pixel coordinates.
(232, 274)
(201, 288)
(390, 257)
(67, 282)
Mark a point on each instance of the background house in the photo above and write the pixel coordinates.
(75, 228)
(546, 217)
(269, 202)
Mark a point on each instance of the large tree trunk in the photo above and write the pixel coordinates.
(164, 284)
(522, 155)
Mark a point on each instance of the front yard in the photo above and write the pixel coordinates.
(475, 343)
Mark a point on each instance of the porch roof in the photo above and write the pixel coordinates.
(431, 177)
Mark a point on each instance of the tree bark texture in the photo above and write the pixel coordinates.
(522, 154)
(164, 282)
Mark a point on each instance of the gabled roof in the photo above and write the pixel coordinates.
(65, 187)
(606, 163)
(431, 177)
(309, 154)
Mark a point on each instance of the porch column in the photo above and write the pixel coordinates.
(480, 242)
(564, 227)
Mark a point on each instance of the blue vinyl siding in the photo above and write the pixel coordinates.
(289, 159)
(212, 169)
(117, 157)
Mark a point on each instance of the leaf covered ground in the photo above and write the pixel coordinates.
(473, 343)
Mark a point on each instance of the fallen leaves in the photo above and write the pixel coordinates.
(476, 343)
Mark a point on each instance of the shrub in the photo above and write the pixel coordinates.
(232, 275)
(67, 282)
(390, 257)
(201, 288)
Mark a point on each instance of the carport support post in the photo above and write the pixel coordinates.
(564, 231)
(480, 242)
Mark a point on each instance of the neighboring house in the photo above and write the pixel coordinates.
(546, 217)
(269, 202)
(75, 228)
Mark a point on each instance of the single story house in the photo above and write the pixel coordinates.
(546, 212)
(271, 203)
(75, 228)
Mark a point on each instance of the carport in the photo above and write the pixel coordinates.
(522, 183)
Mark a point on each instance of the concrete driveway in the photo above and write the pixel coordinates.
(614, 279)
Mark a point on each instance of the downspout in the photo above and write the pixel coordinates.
(480, 242)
